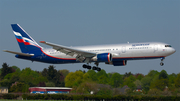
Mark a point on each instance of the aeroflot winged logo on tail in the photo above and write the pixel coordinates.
(24, 40)
(26, 43)
(117, 54)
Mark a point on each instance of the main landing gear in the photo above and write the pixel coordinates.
(162, 61)
(93, 68)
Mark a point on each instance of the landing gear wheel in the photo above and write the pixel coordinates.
(161, 63)
(84, 66)
(94, 68)
(88, 67)
(98, 69)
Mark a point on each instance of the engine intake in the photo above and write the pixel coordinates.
(103, 57)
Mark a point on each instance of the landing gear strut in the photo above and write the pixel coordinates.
(93, 68)
(162, 61)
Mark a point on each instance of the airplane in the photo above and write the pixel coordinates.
(115, 54)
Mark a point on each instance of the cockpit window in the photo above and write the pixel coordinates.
(168, 46)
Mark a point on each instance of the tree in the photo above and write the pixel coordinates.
(137, 83)
(146, 81)
(16, 69)
(30, 77)
(103, 79)
(54, 76)
(160, 84)
(64, 72)
(126, 75)
(14, 77)
(152, 73)
(172, 78)
(154, 92)
(41, 84)
(50, 84)
(74, 79)
(87, 87)
(45, 72)
(177, 81)
(92, 75)
(129, 82)
(102, 72)
(51, 72)
(139, 76)
(104, 90)
(19, 87)
(163, 75)
(86, 77)
(5, 70)
(5, 83)
(116, 80)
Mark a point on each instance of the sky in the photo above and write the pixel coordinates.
(92, 22)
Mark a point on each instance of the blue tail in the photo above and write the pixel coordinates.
(26, 43)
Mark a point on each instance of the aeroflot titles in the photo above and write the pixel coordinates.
(140, 44)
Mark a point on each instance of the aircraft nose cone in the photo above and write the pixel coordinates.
(173, 50)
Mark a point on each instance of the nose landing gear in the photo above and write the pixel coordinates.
(162, 61)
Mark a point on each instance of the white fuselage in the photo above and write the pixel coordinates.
(129, 51)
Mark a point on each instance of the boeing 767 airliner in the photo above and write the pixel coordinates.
(116, 54)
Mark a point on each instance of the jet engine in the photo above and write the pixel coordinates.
(103, 57)
(117, 63)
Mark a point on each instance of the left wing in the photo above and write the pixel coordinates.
(80, 54)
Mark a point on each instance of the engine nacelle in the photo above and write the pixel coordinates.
(103, 57)
(117, 63)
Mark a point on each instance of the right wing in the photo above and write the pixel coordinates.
(18, 53)
(81, 55)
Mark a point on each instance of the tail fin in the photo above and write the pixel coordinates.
(26, 42)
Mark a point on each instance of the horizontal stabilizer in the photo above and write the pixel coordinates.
(18, 53)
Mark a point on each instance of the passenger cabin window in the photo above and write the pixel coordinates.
(168, 46)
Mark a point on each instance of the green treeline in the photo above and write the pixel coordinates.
(85, 83)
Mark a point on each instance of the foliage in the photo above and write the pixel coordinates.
(172, 78)
(99, 97)
(104, 90)
(54, 76)
(9, 96)
(129, 82)
(83, 82)
(19, 87)
(87, 88)
(146, 81)
(64, 72)
(138, 83)
(5, 83)
(163, 75)
(127, 75)
(74, 79)
(92, 75)
(177, 81)
(152, 73)
(139, 76)
(30, 77)
(154, 92)
(50, 84)
(5, 70)
(160, 84)
(116, 80)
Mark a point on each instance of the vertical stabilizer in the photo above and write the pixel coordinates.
(26, 42)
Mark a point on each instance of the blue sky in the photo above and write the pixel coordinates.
(93, 22)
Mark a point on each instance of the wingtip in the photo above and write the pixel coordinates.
(42, 42)
(5, 50)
